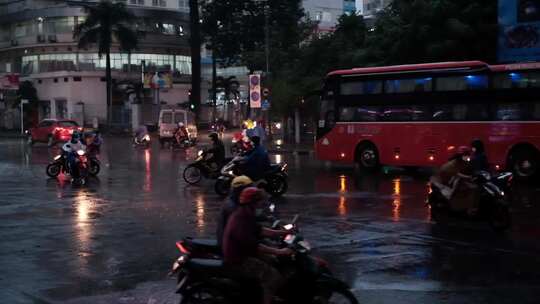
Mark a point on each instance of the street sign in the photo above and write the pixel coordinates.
(255, 91)
(24, 101)
(265, 105)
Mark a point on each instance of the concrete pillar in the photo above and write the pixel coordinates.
(135, 116)
(78, 113)
(53, 109)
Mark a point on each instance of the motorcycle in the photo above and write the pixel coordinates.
(273, 182)
(210, 280)
(144, 141)
(57, 166)
(79, 172)
(492, 207)
(201, 167)
(240, 144)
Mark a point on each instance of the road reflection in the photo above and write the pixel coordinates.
(85, 207)
(397, 200)
(200, 212)
(342, 207)
(148, 172)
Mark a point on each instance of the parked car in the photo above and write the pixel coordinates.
(52, 131)
(168, 123)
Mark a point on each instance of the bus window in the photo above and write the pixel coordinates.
(347, 114)
(477, 112)
(441, 112)
(367, 87)
(368, 113)
(462, 83)
(408, 85)
(327, 120)
(511, 111)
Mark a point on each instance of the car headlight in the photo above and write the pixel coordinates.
(80, 152)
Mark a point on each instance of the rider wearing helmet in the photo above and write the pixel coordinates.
(70, 149)
(217, 150)
(455, 180)
(181, 133)
(241, 246)
(257, 161)
(479, 160)
(238, 184)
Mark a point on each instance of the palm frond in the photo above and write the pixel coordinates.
(88, 37)
(127, 37)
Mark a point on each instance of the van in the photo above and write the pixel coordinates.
(168, 123)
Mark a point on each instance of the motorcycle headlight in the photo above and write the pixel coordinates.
(80, 152)
(200, 153)
(234, 140)
(147, 137)
(57, 157)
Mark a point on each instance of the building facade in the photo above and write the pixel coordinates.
(36, 42)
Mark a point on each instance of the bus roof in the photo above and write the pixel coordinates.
(412, 68)
(515, 66)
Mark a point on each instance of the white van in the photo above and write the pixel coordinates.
(168, 123)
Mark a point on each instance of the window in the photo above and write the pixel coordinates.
(408, 85)
(363, 113)
(163, 3)
(179, 117)
(516, 80)
(55, 80)
(45, 124)
(166, 118)
(77, 78)
(183, 4)
(155, 2)
(168, 29)
(66, 79)
(361, 87)
(462, 83)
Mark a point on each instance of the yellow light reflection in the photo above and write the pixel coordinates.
(342, 183)
(396, 210)
(200, 211)
(342, 207)
(83, 229)
(148, 172)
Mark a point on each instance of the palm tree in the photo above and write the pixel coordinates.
(107, 23)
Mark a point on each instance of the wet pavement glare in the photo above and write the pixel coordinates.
(112, 240)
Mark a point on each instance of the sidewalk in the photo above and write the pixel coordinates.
(11, 134)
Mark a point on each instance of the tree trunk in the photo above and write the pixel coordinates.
(195, 41)
(108, 79)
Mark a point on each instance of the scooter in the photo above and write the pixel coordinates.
(493, 206)
(143, 142)
(201, 167)
(211, 281)
(274, 180)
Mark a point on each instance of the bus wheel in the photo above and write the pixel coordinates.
(524, 163)
(368, 157)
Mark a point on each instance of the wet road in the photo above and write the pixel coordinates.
(112, 241)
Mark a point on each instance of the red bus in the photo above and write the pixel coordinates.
(419, 114)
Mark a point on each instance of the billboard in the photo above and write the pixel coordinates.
(519, 30)
(255, 91)
(158, 80)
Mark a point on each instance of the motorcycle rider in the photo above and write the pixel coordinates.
(181, 133)
(238, 184)
(217, 150)
(141, 132)
(70, 149)
(257, 161)
(454, 179)
(479, 160)
(241, 245)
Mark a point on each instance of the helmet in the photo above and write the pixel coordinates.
(251, 195)
(180, 124)
(213, 135)
(241, 181)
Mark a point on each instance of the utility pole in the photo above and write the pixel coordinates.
(195, 43)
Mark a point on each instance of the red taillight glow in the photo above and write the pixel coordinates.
(181, 247)
(396, 156)
(431, 157)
